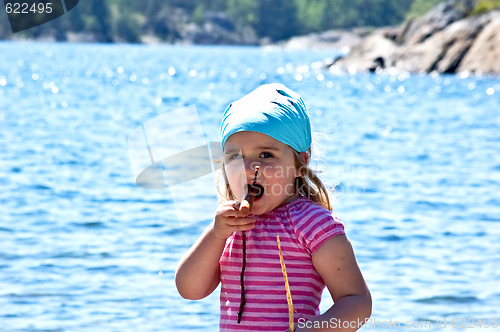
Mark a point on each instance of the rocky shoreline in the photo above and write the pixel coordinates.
(341, 40)
(213, 29)
(446, 40)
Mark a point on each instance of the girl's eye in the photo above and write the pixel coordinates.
(266, 155)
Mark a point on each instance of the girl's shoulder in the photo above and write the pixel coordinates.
(303, 208)
(313, 224)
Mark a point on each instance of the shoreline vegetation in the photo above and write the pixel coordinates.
(420, 36)
(228, 22)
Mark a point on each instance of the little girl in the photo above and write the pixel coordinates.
(270, 128)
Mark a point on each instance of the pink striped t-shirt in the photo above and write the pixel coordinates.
(302, 227)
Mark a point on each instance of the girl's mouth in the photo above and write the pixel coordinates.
(256, 189)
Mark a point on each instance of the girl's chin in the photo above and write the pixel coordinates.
(258, 209)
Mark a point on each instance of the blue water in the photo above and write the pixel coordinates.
(416, 161)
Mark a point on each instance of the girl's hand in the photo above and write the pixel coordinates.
(228, 219)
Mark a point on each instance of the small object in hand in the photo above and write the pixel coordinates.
(245, 207)
(287, 287)
(246, 203)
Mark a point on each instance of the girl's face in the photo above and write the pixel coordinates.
(245, 150)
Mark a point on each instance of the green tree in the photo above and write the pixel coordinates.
(420, 7)
(126, 20)
(310, 14)
(332, 15)
(484, 6)
(242, 12)
(276, 19)
(96, 17)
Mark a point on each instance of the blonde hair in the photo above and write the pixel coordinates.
(308, 184)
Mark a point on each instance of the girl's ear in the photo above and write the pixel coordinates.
(304, 157)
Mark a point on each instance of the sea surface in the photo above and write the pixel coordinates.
(415, 161)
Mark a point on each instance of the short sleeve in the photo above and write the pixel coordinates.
(313, 225)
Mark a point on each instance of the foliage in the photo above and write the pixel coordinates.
(128, 21)
(420, 7)
(484, 6)
(317, 15)
(276, 19)
(242, 12)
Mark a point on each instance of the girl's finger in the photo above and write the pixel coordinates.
(228, 212)
(245, 227)
(239, 221)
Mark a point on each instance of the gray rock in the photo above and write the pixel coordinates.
(418, 30)
(443, 51)
(446, 40)
(343, 40)
(374, 52)
(484, 55)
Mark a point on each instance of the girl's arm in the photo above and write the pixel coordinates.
(336, 264)
(198, 273)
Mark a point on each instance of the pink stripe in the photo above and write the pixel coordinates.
(300, 265)
(314, 224)
(233, 287)
(255, 253)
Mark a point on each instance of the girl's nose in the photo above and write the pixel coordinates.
(250, 168)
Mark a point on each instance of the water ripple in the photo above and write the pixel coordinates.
(84, 249)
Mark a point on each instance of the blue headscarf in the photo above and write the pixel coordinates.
(271, 109)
